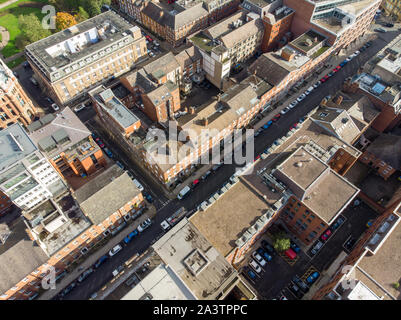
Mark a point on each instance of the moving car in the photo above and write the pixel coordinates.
(144, 225)
(148, 197)
(55, 107)
(312, 278)
(259, 258)
(115, 250)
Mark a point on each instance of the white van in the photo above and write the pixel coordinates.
(183, 192)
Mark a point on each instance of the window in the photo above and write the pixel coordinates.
(322, 225)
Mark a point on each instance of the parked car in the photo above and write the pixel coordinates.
(317, 84)
(381, 30)
(138, 184)
(259, 258)
(293, 104)
(206, 175)
(337, 224)
(269, 248)
(276, 117)
(50, 100)
(389, 25)
(302, 285)
(309, 90)
(101, 260)
(148, 38)
(68, 289)
(290, 253)
(294, 125)
(249, 273)
(120, 164)
(295, 247)
(217, 166)
(55, 107)
(108, 152)
(264, 254)
(26, 64)
(295, 290)
(312, 278)
(255, 266)
(301, 97)
(268, 124)
(350, 243)
(326, 235)
(144, 225)
(115, 250)
(16, 74)
(316, 247)
(85, 274)
(79, 107)
(33, 80)
(130, 236)
(117, 271)
(148, 197)
(195, 183)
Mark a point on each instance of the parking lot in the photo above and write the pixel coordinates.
(276, 276)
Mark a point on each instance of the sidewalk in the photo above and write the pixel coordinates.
(90, 260)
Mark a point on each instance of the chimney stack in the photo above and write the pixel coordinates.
(205, 121)
(192, 110)
(339, 100)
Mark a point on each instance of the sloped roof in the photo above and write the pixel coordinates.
(388, 148)
(241, 33)
(106, 193)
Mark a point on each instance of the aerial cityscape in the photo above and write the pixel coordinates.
(228, 150)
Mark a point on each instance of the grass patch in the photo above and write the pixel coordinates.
(319, 52)
(16, 62)
(9, 19)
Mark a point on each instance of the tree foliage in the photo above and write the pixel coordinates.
(91, 7)
(281, 242)
(31, 30)
(64, 20)
(82, 15)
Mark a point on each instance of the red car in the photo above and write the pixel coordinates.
(294, 125)
(195, 183)
(276, 117)
(324, 78)
(148, 38)
(258, 157)
(326, 235)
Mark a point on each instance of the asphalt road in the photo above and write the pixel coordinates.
(217, 179)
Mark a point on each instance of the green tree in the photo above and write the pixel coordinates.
(281, 242)
(82, 15)
(31, 30)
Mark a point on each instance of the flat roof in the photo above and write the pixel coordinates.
(106, 193)
(384, 266)
(75, 44)
(330, 196)
(162, 284)
(303, 168)
(227, 219)
(308, 40)
(114, 107)
(15, 145)
(182, 241)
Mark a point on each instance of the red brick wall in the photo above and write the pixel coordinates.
(303, 14)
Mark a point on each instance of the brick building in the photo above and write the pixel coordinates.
(5, 204)
(133, 8)
(69, 63)
(319, 194)
(392, 8)
(15, 105)
(107, 203)
(67, 143)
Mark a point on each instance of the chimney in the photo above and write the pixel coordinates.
(339, 100)
(205, 121)
(315, 39)
(287, 55)
(192, 110)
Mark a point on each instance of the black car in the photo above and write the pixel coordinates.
(26, 64)
(389, 25)
(68, 289)
(349, 244)
(295, 290)
(302, 285)
(269, 248)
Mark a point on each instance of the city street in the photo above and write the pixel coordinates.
(215, 180)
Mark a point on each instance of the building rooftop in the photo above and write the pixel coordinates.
(15, 145)
(161, 284)
(199, 265)
(240, 204)
(65, 133)
(308, 41)
(114, 107)
(387, 147)
(303, 168)
(384, 267)
(19, 256)
(106, 194)
(79, 45)
(338, 122)
(188, 56)
(160, 67)
(261, 3)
